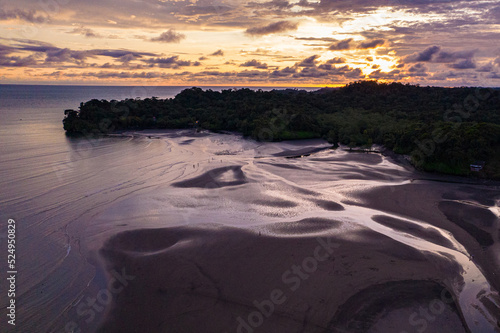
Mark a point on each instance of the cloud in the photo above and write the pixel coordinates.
(116, 75)
(169, 36)
(417, 70)
(23, 15)
(337, 60)
(464, 64)
(493, 76)
(494, 14)
(371, 44)
(15, 61)
(455, 60)
(488, 67)
(272, 28)
(320, 39)
(4, 49)
(129, 57)
(310, 72)
(447, 57)
(438, 43)
(87, 32)
(65, 55)
(120, 53)
(253, 74)
(309, 62)
(254, 63)
(328, 71)
(341, 45)
(378, 74)
(280, 4)
(56, 55)
(171, 62)
(218, 53)
(284, 72)
(425, 55)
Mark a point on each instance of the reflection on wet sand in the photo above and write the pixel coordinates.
(229, 231)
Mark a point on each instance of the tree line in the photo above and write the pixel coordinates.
(442, 129)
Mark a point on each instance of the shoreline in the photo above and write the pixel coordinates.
(399, 159)
(212, 267)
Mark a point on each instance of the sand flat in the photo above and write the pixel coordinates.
(224, 235)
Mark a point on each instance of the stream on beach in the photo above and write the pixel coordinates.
(223, 203)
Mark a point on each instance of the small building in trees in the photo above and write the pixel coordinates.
(477, 166)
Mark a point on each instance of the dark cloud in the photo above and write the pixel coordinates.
(378, 74)
(56, 55)
(328, 65)
(16, 61)
(345, 71)
(310, 68)
(171, 62)
(309, 62)
(417, 70)
(24, 15)
(213, 73)
(454, 59)
(116, 75)
(371, 44)
(4, 49)
(284, 72)
(425, 55)
(272, 28)
(279, 4)
(66, 55)
(486, 67)
(253, 74)
(494, 14)
(121, 53)
(218, 53)
(341, 45)
(254, 63)
(337, 60)
(129, 57)
(464, 64)
(321, 39)
(87, 32)
(369, 59)
(196, 10)
(493, 76)
(169, 36)
(447, 57)
(310, 72)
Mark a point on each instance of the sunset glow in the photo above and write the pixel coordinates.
(256, 43)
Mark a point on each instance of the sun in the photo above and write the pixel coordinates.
(382, 63)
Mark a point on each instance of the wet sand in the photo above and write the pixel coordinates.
(209, 278)
(331, 242)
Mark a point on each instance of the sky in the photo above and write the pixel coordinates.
(250, 42)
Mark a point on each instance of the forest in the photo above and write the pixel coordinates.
(440, 129)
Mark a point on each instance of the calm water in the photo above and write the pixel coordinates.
(51, 185)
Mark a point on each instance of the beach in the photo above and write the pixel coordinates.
(247, 239)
